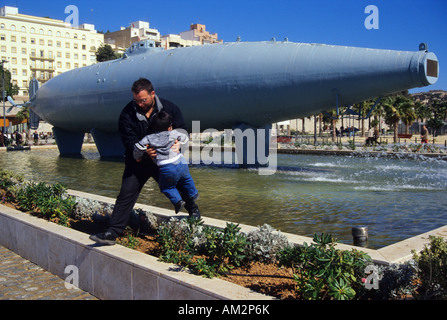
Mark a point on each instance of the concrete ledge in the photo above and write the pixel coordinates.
(116, 272)
(110, 272)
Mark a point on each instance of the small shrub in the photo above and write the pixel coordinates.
(432, 269)
(322, 272)
(264, 244)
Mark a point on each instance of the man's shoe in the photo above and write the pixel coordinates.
(106, 238)
(179, 206)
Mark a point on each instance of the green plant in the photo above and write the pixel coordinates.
(321, 271)
(351, 144)
(8, 182)
(225, 248)
(432, 269)
(45, 200)
(130, 239)
(181, 241)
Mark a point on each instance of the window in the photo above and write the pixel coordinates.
(2, 37)
(33, 40)
(23, 29)
(13, 39)
(24, 61)
(23, 39)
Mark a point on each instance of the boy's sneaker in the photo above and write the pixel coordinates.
(179, 206)
(106, 238)
(195, 213)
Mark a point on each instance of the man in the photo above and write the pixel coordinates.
(135, 122)
(424, 134)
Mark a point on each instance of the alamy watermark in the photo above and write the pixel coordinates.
(72, 280)
(372, 20)
(73, 18)
(253, 147)
(373, 277)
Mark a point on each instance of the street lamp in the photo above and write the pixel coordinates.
(3, 94)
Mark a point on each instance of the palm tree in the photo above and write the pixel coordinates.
(422, 111)
(331, 117)
(397, 108)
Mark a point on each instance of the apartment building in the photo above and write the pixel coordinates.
(42, 48)
(122, 39)
(197, 32)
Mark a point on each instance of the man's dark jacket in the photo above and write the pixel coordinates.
(134, 126)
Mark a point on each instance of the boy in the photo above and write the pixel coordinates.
(173, 167)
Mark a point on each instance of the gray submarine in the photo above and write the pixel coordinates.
(225, 86)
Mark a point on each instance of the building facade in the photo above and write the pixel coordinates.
(42, 48)
(137, 31)
(198, 33)
(122, 39)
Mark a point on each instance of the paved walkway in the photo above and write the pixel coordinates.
(21, 279)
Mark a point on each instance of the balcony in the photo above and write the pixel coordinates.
(42, 68)
(41, 57)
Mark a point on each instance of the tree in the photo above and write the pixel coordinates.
(106, 53)
(10, 89)
(363, 109)
(397, 108)
(331, 117)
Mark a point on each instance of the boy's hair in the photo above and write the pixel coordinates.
(162, 121)
(142, 84)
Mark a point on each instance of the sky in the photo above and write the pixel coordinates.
(400, 24)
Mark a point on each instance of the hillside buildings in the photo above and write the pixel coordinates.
(140, 30)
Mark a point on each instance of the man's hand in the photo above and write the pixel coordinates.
(151, 152)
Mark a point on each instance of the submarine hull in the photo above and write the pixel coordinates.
(220, 85)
